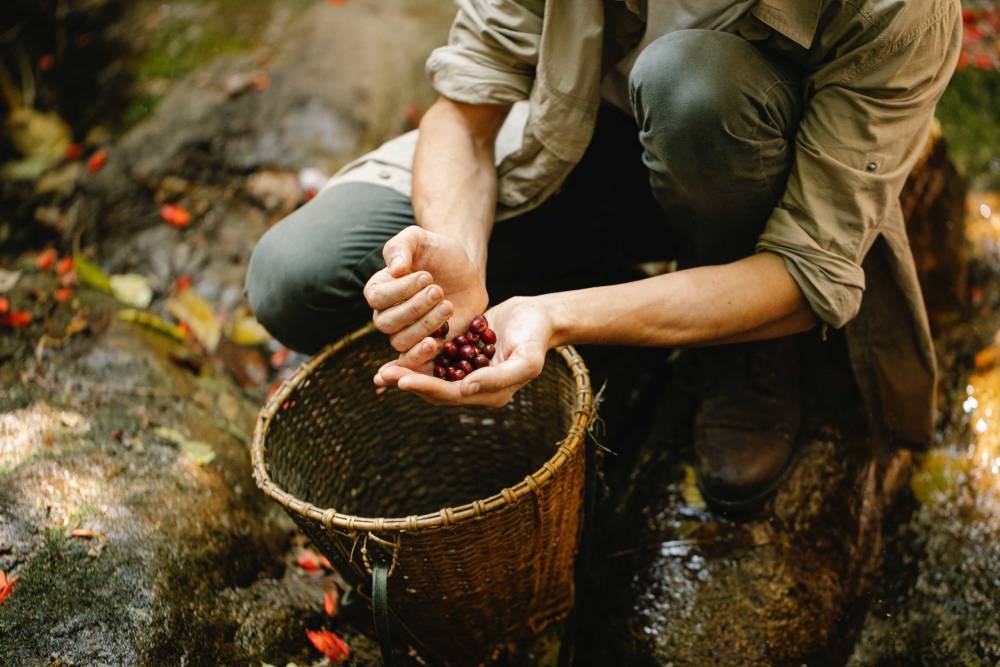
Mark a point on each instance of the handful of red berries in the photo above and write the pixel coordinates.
(463, 354)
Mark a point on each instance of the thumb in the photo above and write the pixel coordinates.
(398, 251)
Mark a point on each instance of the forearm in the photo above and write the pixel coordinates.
(454, 177)
(752, 299)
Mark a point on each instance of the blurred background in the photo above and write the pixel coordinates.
(146, 146)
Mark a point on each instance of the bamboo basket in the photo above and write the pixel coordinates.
(475, 512)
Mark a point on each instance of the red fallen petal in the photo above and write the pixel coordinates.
(64, 266)
(73, 153)
(330, 645)
(4, 307)
(63, 294)
(330, 601)
(7, 587)
(18, 318)
(178, 216)
(183, 282)
(97, 161)
(308, 561)
(45, 62)
(45, 259)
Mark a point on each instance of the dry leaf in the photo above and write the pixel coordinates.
(8, 279)
(154, 322)
(83, 533)
(247, 331)
(132, 290)
(198, 315)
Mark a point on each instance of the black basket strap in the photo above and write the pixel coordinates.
(380, 609)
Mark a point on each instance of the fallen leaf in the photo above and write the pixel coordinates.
(45, 259)
(330, 645)
(689, 489)
(17, 318)
(152, 321)
(132, 290)
(64, 266)
(64, 294)
(73, 152)
(308, 560)
(247, 331)
(8, 279)
(90, 274)
(6, 586)
(199, 316)
(79, 323)
(83, 533)
(198, 451)
(330, 600)
(175, 215)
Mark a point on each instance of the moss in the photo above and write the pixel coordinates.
(64, 606)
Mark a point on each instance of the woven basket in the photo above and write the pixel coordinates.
(477, 510)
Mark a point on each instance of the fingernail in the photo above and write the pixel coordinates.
(424, 280)
(435, 292)
(396, 261)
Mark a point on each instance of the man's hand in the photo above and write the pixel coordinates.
(524, 335)
(408, 296)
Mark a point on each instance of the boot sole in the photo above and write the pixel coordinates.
(753, 503)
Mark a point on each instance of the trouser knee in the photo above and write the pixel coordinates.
(717, 119)
(306, 275)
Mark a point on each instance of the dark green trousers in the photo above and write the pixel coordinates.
(692, 178)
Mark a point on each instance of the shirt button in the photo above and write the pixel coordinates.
(871, 167)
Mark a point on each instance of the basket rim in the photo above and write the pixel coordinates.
(449, 516)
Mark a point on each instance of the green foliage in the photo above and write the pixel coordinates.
(971, 121)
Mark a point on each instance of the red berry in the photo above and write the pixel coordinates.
(455, 374)
(489, 337)
(440, 372)
(441, 360)
(478, 325)
(441, 331)
(460, 341)
(473, 338)
(451, 349)
(490, 350)
(468, 351)
(482, 361)
(465, 366)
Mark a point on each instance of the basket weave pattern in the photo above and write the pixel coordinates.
(478, 509)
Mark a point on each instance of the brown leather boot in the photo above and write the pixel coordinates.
(747, 421)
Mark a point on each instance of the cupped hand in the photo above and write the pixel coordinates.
(524, 335)
(408, 297)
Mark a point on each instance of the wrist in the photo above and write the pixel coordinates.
(557, 311)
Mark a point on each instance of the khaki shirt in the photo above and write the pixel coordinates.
(874, 71)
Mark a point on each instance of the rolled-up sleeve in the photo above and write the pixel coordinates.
(491, 54)
(864, 127)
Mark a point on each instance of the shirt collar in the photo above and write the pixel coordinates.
(795, 19)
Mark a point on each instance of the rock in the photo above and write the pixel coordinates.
(339, 82)
(680, 585)
(174, 561)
